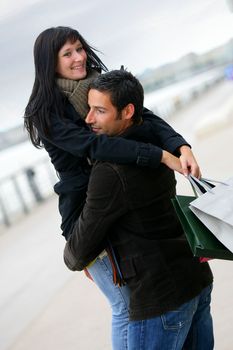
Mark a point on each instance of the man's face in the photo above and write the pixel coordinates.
(103, 117)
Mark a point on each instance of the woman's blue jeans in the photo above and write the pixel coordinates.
(189, 327)
(118, 297)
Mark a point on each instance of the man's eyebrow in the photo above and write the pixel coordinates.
(96, 106)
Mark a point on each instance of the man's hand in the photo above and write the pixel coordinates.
(188, 162)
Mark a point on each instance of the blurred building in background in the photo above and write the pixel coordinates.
(186, 67)
(230, 4)
(11, 136)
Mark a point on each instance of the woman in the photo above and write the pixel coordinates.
(64, 66)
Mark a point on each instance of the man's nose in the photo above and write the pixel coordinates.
(90, 117)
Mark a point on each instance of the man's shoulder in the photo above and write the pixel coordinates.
(108, 172)
(105, 171)
(100, 165)
(103, 167)
(111, 174)
(133, 176)
(106, 182)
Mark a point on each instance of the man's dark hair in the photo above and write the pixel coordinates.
(123, 88)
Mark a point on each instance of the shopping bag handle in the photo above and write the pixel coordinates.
(203, 183)
(200, 186)
(215, 181)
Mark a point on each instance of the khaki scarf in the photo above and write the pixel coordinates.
(76, 91)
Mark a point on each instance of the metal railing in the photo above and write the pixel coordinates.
(21, 191)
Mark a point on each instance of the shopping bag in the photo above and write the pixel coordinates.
(214, 209)
(202, 242)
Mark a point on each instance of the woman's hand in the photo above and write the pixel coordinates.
(188, 162)
(171, 162)
(185, 164)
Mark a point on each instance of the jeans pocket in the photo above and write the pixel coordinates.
(176, 319)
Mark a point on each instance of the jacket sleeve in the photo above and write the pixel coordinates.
(164, 135)
(105, 204)
(75, 138)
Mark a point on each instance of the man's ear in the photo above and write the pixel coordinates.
(128, 111)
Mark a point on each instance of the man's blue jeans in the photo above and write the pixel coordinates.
(189, 327)
(118, 297)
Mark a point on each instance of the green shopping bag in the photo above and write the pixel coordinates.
(202, 242)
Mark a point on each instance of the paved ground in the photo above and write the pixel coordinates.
(43, 306)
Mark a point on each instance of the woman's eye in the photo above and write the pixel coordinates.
(79, 49)
(67, 54)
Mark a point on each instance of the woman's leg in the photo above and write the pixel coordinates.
(118, 297)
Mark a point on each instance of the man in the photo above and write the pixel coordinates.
(131, 207)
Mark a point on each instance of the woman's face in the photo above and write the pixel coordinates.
(72, 60)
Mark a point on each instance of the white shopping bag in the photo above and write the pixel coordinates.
(215, 209)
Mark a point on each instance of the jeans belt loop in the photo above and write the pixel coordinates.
(102, 254)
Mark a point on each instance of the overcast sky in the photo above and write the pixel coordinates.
(140, 34)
